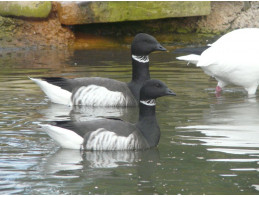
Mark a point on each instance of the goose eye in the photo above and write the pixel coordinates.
(157, 85)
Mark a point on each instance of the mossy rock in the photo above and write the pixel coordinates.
(7, 28)
(73, 13)
(34, 9)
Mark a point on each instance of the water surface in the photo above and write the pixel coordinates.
(208, 145)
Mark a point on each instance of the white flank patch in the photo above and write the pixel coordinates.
(151, 102)
(102, 139)
(94, 95)
(64, 137)
(55, 93)
(142, 59)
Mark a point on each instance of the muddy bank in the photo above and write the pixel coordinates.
(30, 32)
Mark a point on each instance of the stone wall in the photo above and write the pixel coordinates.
(75, 13)
(226, 16)
(38, 9)
(52, 27)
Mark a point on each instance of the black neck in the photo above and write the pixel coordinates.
(148, 125)
(146, 111)
(140, 71)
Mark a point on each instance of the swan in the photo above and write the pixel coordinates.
(232, 59)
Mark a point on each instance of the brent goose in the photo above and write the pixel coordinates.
(97, 91)
(114, 134)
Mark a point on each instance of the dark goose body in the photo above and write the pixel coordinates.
(97, 91)
(114, 134)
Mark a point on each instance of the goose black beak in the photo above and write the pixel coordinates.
(170, 92)
(159, 47)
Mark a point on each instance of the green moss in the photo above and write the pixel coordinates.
(183, 30)
(7, 26)
(112, 11)
(8, 30)
(38, 9)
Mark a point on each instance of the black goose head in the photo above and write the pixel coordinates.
(153, 89)
(143, 44)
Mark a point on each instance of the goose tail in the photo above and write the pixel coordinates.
(55, 93)
(63, 137)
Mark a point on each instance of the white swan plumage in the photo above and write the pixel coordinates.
(232, 59)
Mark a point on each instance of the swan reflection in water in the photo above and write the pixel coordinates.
(232, 126)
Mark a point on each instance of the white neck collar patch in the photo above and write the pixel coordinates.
(151, 102)
(142, 59)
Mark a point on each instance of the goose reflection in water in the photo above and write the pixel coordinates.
(67, 159)
(57, 112)
(94, 167)
(231, 125)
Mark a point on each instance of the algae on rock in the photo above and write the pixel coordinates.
(35, 9)
(74, 13)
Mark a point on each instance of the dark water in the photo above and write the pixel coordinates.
(208, 145)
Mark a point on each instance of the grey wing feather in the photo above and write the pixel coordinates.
(110, 84)
(70, 84)
(119, 127)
